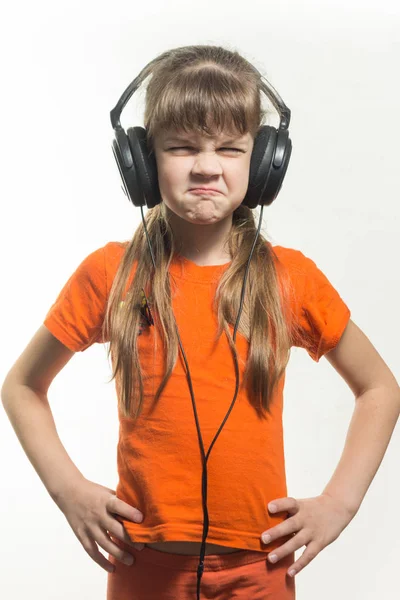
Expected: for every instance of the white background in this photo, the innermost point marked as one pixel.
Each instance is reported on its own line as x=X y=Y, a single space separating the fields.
x=64 y=65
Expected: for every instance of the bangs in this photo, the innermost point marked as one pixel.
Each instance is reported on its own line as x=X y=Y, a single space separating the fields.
x=207 y=101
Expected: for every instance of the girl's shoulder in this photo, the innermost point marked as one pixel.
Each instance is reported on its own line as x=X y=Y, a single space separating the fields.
x=115 y=249
x=293 y=259
x=113 y=252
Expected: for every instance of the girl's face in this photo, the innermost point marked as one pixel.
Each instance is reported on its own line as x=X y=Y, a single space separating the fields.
x=189 y=160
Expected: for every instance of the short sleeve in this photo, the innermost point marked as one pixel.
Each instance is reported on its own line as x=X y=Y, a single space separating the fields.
x=321 y=314
x=76 y=317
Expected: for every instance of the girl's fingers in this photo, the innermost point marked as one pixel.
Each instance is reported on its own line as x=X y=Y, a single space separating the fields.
x=117 y=529
x=119 y=507
x=284 y=529
x=106 y=542
x=308 y=555
x=293 y=544
x=90 y=546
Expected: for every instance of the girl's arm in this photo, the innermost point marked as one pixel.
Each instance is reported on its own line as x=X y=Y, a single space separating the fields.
x=377 y=409
x=31 y=417
x=24 y=397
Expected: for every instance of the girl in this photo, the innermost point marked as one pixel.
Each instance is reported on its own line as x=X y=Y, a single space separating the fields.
x=203 y=111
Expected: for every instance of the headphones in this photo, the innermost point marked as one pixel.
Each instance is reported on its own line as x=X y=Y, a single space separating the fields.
x=138 y=169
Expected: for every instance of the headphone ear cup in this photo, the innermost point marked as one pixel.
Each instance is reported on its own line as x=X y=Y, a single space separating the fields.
x=283 y=152
x=145 y=167
x=269 y=161
x=123 y=158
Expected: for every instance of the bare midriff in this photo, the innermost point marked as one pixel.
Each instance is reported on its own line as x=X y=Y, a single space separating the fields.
x=191 y=548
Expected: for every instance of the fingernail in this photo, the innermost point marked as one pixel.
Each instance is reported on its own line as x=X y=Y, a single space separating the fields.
x=266 y=538
x=129 y=560
x=272 y=507
x=139 y=518
x=273 y=557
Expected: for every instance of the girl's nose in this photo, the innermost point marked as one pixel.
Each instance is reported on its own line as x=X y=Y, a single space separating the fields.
x=207 y=164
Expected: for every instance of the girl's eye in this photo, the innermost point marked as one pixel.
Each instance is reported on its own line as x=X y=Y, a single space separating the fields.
x=190 y=148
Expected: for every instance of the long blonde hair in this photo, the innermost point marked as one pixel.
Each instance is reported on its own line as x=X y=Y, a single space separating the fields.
x=189 y=84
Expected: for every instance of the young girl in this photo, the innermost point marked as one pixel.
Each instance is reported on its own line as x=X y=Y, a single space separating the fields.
x=203 y=111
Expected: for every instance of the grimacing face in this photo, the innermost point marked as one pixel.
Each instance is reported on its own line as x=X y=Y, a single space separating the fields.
x=188 y=160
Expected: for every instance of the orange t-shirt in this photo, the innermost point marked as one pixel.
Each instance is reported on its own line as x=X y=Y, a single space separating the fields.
x=158 y=456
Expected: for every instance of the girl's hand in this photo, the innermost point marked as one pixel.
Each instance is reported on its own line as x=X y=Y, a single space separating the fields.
x=314 y=522
x=92 y=511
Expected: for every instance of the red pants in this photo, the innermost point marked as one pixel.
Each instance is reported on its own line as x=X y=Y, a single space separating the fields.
x=156 y=575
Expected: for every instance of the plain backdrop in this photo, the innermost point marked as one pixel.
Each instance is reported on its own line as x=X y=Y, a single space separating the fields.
x=64 y=65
